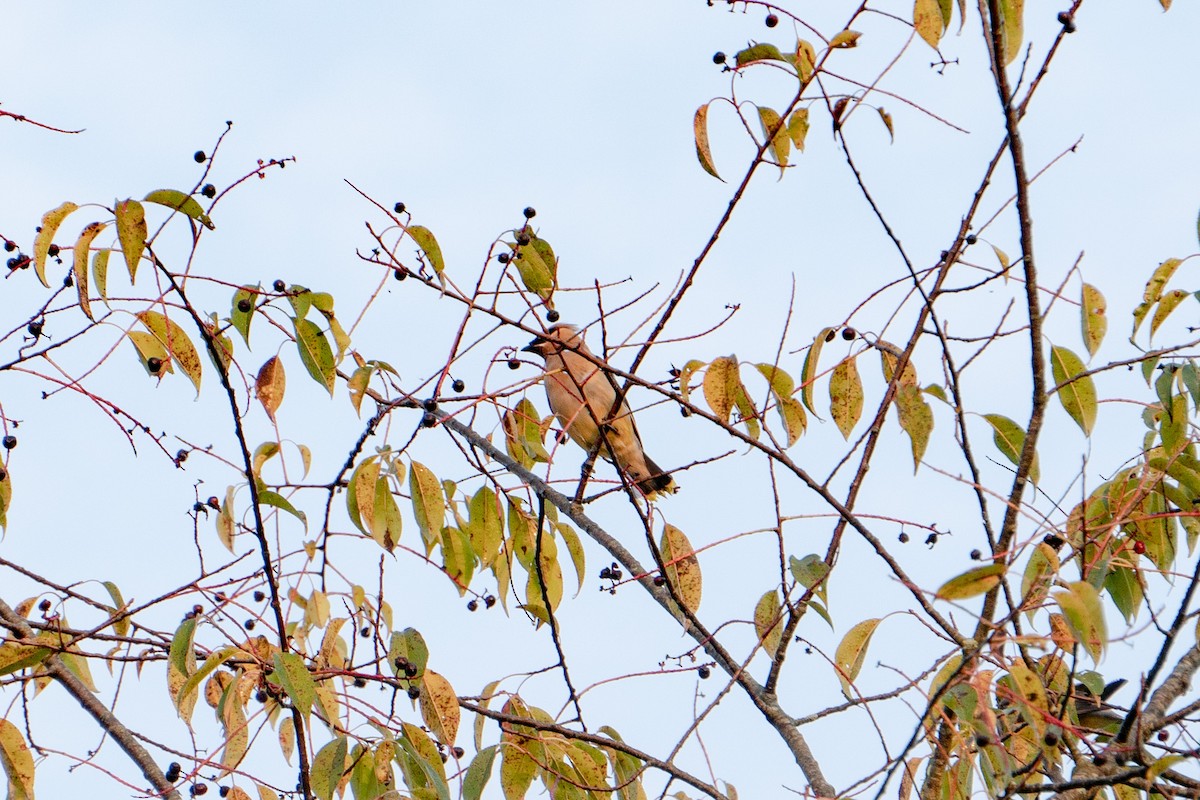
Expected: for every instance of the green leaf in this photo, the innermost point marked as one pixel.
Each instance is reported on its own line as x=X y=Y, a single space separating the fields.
x=269 y=498
x=192 y=684
x=328 y=765
x=131 y=232
x=177 y=343
x=181 y=663
x=51 y=220
x=1009 y=438
x=852 y=652
x=478 y=773
x=1078 y=397
x=1153 y=291
x=1169 y=302
x=810 y=572
x=805 y=61
x=1080 y=604
x=100 y=272
x=315 y=353
x=180 y=202
x=971 y=583
x=791 y=413
x=1040 y=571
x=428 y=244
x=1093 y=319
x=241 y=319
x=486 y=527
x=1011 y=13
x=79 y=265
x=292 y=674
x=703 y=150
x=928 y=22
x=759 y=52
x=410 y=646
x=5 y=497
x=916 y=418
x=846 y=396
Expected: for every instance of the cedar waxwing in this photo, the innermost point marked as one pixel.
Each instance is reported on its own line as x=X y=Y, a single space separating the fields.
x=569 y=378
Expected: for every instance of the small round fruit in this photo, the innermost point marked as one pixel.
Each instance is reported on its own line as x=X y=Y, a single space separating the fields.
x=504 y=258
x=429 y=404
x=458 y=385
x=523 y=238
x=248 y=624
x=829 y=337
x=213 y=502
x=659 y=580
x=13 y=262
x=982 y=740
x=976 y=555
x=259 y=596
x=44 y=606
x=552 y=316
x=209 y=191
x=472 y=605
x=704 y=672
x=398 y=208
x=1054 y=541
x=414 y=692
x=428 y=421
x=903 y=537
x=771 y=20
x=360 y=682
x=718 y=57
x=198 y=789
x=1139 y=546
x=10 y=442
x=1163 y=736
x=400 y=274
x=244 y=305
x=489 y=601
x=199 y=157
x=972 y=239
x=684 y=411
x=173 y=770
x=10 y=245
x=52 y=251
x=530 y=212
x=848 y=334
x=514 y=363
x=365 y=632
x=279 y=285
x=458 y=752
x=260 y=696
x=35 y=328
x=154 y=364
x=225 y=791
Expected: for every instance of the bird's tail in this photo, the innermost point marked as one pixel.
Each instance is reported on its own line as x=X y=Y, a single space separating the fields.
x=658 y=482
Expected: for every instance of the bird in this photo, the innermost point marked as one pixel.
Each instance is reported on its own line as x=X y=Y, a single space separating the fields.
x=573 y=373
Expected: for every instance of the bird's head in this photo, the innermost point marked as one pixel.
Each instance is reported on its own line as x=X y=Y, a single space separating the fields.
x=555 y=340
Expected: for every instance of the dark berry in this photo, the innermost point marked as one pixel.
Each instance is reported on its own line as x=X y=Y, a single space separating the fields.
x=1050 y=739
x=1163 y=736
x=259 y=596
x=198 y=789
x=360 y=682
x=279 y=285
x=552 y=316
x=472 y=605
x=35 y=328
x=401 y=663
x=659 y=580
x=365 y=632
x=428 y=421
x=617 y=574
x=1065 y=19
x=1139 y=546
x=605 y=574
x=400 y=274
x=52 y=251
x=248 y=624
x=260 y=696
x=523 y=238
x=771 y=20
x=429 y=405
x=173 y=770
x=13 y=262
x=503 y=258
x=848 y=334
x=982 y=740
x=410 y=670
x=829 y=337
x=10 y=442
x=458 y=386
x=67 y=281
x=684 y=411
x=529 y=212
x=154 y=364
x=197 y=609
x=458 y=752
x=976 y=555
x=44 y=606
x=213 y=502
x=514 y=363
x=10 y=245
x=181 y=456
x=704 y=672
x=414 y=692
x=718 y=57
x=903 y=537
x=398 y=208
x=1054 y=541
x=199 y=157
x=3 y=473
x=972 y=239
x=490 y=600
x=244 y=305
x=209 y=191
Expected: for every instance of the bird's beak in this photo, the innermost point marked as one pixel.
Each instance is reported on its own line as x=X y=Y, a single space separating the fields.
x=534 y=347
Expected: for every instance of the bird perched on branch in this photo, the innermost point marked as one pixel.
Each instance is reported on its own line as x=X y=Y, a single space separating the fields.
x=572 y=374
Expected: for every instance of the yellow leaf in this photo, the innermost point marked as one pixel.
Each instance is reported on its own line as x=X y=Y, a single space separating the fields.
x=927 y=19
x=720 y=386
x=45 y=237
x=682 y=566
x=846 y=396
x=1080 y=604
x=131 y=232
x=778 y=142
x=270 y=384
x=17 y=761
x=429 y=245
x=439 y=707
x=808 y=376
x=79 y=264
x=768 y=621
x=177 y=343
x=851 y=652
x=806 y=62
x=703 y=150
x=846 y=38
x=797 y=127
x=1094 y=323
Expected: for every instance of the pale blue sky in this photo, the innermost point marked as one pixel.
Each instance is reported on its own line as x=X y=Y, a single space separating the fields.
x=470 y=111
